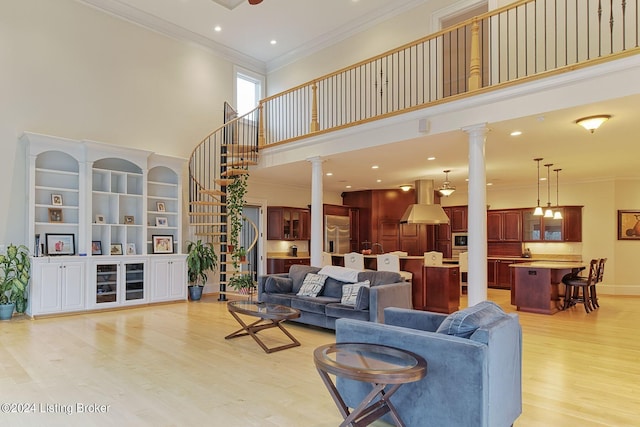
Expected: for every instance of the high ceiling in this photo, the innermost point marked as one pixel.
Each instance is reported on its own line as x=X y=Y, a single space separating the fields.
x=246 y=32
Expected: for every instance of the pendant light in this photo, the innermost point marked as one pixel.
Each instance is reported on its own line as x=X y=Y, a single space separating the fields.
x=447 y=189
x=538 y=210
x=548 y=213
x=558 y=213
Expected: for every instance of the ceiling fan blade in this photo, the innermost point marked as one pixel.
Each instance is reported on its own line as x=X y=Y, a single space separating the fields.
x=255 y=1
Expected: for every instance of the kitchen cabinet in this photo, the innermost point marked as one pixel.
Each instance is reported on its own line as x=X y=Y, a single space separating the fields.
x=541 y=229
x=504 y=226
x=458 y=218
x=499 y=275
x=169 y=278
x=61 y=286
x=282 y=265
x=287 y=223
x=440 y=289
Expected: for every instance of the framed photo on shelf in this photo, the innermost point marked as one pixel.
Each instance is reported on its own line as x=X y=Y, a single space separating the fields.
x=162 y=244
x=131 y=248
x=60 y=244
x=628 y=225
x=55 y=215
x=96 y=247
x=56 y=199
x=160 y=207
x=99 y=219
x=115 y=249
x=161 y=221
x=129 y=219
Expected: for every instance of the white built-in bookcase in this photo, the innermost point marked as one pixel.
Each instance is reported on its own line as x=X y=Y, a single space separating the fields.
x=85 y=195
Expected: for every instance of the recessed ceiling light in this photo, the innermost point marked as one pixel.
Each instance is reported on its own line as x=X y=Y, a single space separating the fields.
x=217 y=28
x=273 y=42
x=431 y=158
x=329 y=174
x=516 y=133
x=375 y=167
x=378 y=180
x=347 y=186
x=489 y=183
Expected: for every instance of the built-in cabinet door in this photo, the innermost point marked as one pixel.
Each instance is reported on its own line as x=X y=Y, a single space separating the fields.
x=72 y=286
x=169 y=279
x=45 y=288
x=118 y=283
x=56 y=286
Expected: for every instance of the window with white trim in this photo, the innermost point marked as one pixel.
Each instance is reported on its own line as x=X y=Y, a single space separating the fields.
x=248 y=90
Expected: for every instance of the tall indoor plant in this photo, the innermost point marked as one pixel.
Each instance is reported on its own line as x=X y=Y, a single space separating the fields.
x=201 y=258
x=14 y=278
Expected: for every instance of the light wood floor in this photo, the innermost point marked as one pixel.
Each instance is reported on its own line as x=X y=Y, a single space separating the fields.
x=170 y=365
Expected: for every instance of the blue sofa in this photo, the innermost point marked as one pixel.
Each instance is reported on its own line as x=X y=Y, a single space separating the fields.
x=474 y=365
x=387 y=289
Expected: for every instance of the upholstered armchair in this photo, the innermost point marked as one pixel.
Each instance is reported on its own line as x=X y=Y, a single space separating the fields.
x=474 y=359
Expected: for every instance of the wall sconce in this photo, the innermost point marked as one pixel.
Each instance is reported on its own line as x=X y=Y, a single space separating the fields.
x=405 y=188
x=592 y=123
x=538 y=209
x=447 y=189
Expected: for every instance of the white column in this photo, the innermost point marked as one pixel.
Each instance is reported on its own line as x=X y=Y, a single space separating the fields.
x=315 y=247
x=477 y=216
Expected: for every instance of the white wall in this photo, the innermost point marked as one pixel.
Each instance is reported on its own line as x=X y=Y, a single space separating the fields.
x=69 y=70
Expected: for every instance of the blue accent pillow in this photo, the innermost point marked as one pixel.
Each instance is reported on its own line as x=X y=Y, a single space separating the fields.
x=464 y=323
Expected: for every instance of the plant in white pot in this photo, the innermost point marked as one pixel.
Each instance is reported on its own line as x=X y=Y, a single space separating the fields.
x=201 y=258
x=14 y=278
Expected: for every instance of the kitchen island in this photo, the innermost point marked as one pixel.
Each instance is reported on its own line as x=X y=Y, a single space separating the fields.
x=536 y=284
x=432 y=288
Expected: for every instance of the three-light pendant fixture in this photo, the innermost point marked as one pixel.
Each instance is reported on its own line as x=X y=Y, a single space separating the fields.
x=548 y=212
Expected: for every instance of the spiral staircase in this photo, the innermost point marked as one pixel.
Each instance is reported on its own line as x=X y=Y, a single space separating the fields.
x=217 y=165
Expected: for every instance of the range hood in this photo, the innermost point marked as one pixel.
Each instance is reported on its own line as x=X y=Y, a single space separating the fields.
x=424 y=211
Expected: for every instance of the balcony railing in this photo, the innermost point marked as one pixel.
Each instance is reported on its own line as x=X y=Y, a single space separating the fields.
x=526 y=40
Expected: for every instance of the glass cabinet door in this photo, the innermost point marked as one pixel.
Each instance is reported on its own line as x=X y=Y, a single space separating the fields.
x=286 y=223
x=106 y=283
x=134 y=281
x=552 y=229
x=531 y=226
x=295 y=224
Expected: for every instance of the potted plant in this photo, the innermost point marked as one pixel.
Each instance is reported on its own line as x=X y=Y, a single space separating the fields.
x=243 y=283
x=201 y=258
x=14 y=278
x=236 y=192
x=240 y=254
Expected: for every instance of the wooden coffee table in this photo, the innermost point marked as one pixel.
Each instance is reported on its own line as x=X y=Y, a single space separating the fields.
x=269 y=316
x=376 y=364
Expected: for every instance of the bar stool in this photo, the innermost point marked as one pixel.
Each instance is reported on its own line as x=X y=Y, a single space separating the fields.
x=574 y=284
x=593 y=295
x=391 y=262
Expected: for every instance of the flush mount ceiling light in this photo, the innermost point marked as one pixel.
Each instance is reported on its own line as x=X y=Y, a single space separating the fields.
x=592 y=123
x=447 y=189
x=548 y=213
x=538 y=210
x=558 y=213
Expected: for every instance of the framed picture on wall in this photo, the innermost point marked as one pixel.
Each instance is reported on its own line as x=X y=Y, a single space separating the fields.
x=628 y=225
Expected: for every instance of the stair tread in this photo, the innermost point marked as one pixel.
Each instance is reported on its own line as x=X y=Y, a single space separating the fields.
x=234 y=172
x=213 y=192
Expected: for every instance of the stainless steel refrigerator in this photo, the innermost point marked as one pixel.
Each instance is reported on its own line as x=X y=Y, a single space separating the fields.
x=336 y=234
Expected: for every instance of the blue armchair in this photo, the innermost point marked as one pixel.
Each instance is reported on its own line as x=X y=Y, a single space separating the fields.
x=474 y=365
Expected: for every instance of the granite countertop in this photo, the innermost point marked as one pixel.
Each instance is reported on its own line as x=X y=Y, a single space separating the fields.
x=553 y=265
